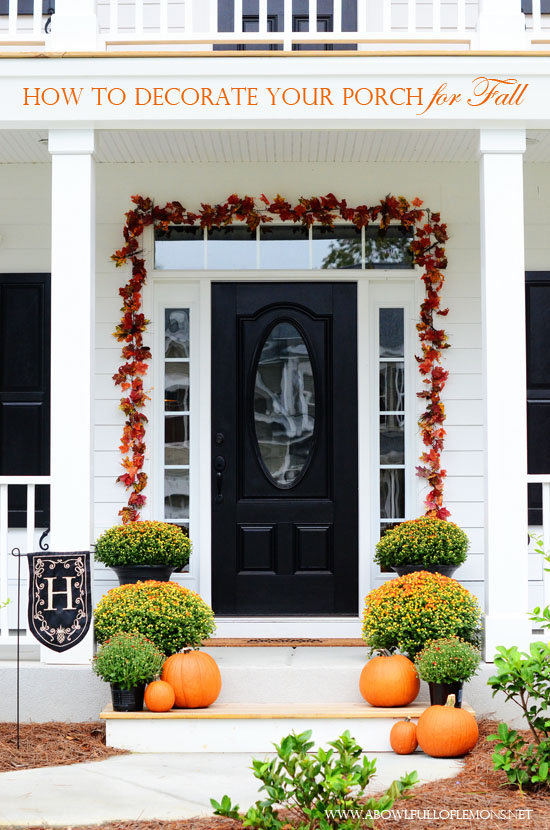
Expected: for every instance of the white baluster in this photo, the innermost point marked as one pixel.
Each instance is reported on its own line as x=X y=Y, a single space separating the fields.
x=537 y=20
x=4 y=553
x=337 y=16
x=37 y=18
x=12 y=17
x=436 y=16
x=386 y=15
x=238 y=16
x=139 y=17
x=188 y=19
x=113 y=18
x=312 y=16
x=163 y=17
x=287 y=45
x=213 y=17
x=362 y=16
x=262 y=28
x=30 y=517
x=461 y=16
x=411 y=17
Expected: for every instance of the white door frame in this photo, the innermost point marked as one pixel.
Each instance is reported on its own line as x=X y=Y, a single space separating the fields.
x=200 y=576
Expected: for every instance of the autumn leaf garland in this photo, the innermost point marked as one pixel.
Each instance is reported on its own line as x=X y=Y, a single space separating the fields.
x=428 y=253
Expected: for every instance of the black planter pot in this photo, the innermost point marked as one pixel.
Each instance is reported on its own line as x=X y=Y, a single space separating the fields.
x=445 y=570
x=127 y=700
x=130 y=574
x=439 y=692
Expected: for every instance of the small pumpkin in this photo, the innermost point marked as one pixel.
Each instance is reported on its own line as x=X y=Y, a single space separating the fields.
x=390 y=680
x=194 y=677
x=403 y=737
x=159 y=696
x=446 y=732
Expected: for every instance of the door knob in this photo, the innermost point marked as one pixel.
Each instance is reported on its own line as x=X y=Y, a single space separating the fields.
x=219 y=463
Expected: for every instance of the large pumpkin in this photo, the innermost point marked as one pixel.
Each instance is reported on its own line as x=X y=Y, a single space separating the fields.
x=446 y=732
x=159 y=696
x=194 y=677
x=403 y=737
x=389 y=681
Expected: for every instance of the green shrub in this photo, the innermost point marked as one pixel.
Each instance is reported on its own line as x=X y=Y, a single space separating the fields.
x=322 y=789
x=422 y=541
x=128 y=660
x=143 y=543
x=448 y=660
x=405 y=613
x=171 y=616
x=525 y=679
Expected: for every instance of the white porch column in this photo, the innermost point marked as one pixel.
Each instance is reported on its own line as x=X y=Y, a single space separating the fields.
x=501 y=25
x=74 y=27
x=504 y=366
x=73 y=319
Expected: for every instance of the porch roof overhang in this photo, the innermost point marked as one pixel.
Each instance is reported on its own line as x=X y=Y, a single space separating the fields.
x=237 y=146
x=414 y=92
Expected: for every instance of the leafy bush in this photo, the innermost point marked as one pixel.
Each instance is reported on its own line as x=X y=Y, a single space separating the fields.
x=128 y=660
x=321 y=790
x=143 y=543
x=404 y=614
x=422 y=541
x=448 y=660
x=171 y=616
x=525 y=679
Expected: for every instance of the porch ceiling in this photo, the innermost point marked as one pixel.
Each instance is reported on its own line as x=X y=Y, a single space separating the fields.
x=325 y=146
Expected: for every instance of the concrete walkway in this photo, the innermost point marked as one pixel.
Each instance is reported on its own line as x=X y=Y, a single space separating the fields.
x=150 y=786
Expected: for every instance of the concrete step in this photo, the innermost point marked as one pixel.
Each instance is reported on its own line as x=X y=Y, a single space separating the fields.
x=253 y=727
x=289 y=675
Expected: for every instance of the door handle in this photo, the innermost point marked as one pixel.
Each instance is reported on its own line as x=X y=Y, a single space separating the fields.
x=219 y=466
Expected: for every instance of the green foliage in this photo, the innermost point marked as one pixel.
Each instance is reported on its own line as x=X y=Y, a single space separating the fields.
x=524 y=678
x=448 y=660
x=406 y=613
x=171 y=616
x=321 y=789
x=128 y=660
x=143 y=543
x=541 y=616
x=423 y=541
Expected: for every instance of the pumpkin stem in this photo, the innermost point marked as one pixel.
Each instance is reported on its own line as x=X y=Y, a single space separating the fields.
x=451 y=700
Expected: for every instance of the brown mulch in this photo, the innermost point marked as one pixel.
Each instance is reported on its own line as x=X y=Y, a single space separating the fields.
x=52 y=744
x=477 y=788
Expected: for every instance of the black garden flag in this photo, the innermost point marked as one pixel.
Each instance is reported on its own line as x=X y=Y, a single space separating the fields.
x=60 y=602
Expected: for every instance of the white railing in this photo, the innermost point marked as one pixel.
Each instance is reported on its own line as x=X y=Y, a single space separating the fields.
x=195 y=23
x=23 y=30
x=27 y=540
x=543 y=596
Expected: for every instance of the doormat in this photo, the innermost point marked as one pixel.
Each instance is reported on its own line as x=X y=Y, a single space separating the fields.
x=288 y=642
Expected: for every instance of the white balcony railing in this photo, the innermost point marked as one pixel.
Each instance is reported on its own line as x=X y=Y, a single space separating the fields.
x=193 y=24
x=27 y=539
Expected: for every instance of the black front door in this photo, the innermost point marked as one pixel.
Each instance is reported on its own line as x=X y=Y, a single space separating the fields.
x=284 y=448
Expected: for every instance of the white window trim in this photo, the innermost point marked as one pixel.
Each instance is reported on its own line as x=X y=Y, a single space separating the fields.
x=402 y=294
x=375 y=287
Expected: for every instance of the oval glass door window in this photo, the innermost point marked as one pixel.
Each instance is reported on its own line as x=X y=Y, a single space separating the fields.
x=284 y=405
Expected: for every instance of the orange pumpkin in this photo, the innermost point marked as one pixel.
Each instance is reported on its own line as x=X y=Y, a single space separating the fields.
x=389 y=681
x=446 y=732
x=194 y=677
x=403 y=737
x=159 y=696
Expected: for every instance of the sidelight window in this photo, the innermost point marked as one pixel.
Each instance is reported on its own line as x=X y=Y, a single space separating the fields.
x=177 y=415
x=391 y=373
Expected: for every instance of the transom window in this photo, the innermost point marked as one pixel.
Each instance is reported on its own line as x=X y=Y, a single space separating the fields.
x=282 y=247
